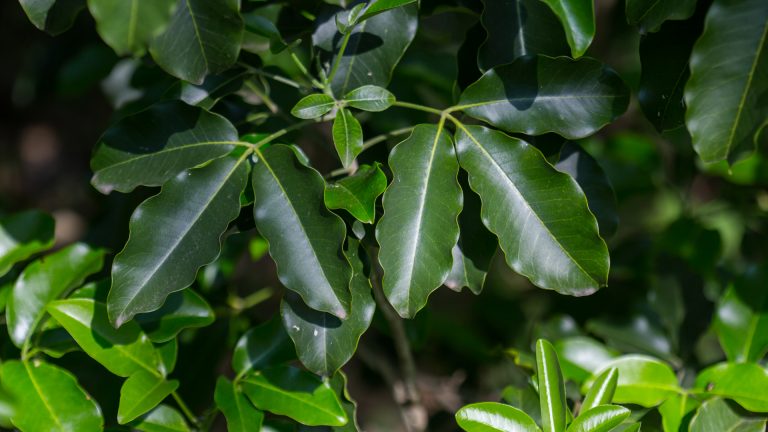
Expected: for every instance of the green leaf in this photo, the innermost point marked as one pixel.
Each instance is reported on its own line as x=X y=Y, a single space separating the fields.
x=161 y=419
x=52 y=16
x=578 y=19
x=323 y=342
x=581 y=356
x=370 y=98
x=675 y=412
x=194 y=209
x=601 y=418
x=129 y=25
x=49 y=399
x=23 y=235
x=551 y=388
x=516 y=28
x=650 y=14
x=313 y=106
x=140 y=393
x=745 y=383
x=539 y=214
x=602 y=390
x=494 y=417
x=305 y=239
x=155 y=145
x=46 y=280
x=378 y=6
x=240 y=413
x=420 y=223
x=525 y=399
x=203 y=37
x=55 y=342
x=215 y=87
x=725 y=98
x=741 y=321
x=347 y=136
x=636 y=332
x=715 y=415
x=263 y=346
x=539 y=94
x=296 y=394
x=169 y=352
x=338 y=383
x=373 y=49
x=642 y=380
x=464 y=273
x=123 y=351
x=185 y=309
x=357 y=193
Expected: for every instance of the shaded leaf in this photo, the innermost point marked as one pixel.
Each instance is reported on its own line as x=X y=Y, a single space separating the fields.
x=181 y=310
x=369 y=98
x=675 y=412
x=741 y=321
x=525 y=399
x=142 y=392
x=642 y=380
x=464 y=273
x=650 y=14
x=129 y=25
x=715 y=415
x=601 y=418
x=578 y=19
x=347 y=136
x=551 y=388
x=23 y=235
x=161 y=419
x=215 y=87
x=263 y=346
x=52 y=16
x=241 y=415
x=313 y=106
x=745 y=383
x=357 y=193
x=378 y=6
x=492 y=416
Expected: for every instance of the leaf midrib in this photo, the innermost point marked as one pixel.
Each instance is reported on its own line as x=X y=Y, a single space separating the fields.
x=290 y=395
x=169 y=150
x=42 y=395
x=198 y=38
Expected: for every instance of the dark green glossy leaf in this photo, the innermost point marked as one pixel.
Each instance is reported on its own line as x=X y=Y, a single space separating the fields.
x=650 y=14
x=323 y=342
x=378 y=6
x=305 y=239
x=581 y=356
x=155 y=145
x=602 y=390
x=539 y=94
x=140 y=393
x=195 y=209
x=464 y=273
x=161 y=419
x=578 y=19
x=516 y=28
x=725 y=98
x=49 y=399
x=313 y=106
x=745 y=383
x=551 y=388
x=129 y=25
x=601 y=418
x=215 y=87
x=373 y=49
x=23 y=235
x=541 y=216
x=46 y=280
x=123 y=351
x=241 y=415
x=203 y=37
x=357 y=193
x=742 y=317
x=642 y=380
x=347 y=136
x=494 y=417
x=185 y=309
x=675 y=412
x=419 y=227
x=52 y=16
x=338 y=383
x=715 y=415
x=263 y=346
x=369 y=98
x=296 y=394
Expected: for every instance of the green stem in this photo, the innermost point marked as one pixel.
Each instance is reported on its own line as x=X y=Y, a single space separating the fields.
x=281 y=132
x=185 y=409
x=278 y=78
x=339 y=56
x=383 y=137
x=304 y=70
x=418 y=107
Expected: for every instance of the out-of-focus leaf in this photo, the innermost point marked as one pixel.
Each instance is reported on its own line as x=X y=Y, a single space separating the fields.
x=207 y=94
x=551 y=388
x=642 y=380
x=52 y=16
x=715 y=415
x=357 y=193
x=263 y=346
x=637 y=332
x=181 y=310
x=525 y=399
x=129 y=25
x=745 y=383
x=675 y=412
x=23 y=235
x=140 y=393
x=494 y=417
x=581 y=357
x=241 y=415
x=742 y=317
x=650 y=14
x=347 y=136
x=578 y=19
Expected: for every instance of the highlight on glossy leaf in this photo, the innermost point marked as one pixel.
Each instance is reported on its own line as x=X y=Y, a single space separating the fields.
x=313 y=106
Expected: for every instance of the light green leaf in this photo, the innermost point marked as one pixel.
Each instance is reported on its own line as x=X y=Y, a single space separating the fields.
x=742 y=317
x=23 y=235
x=123 y=351
x=169 y=352
x=194 y=209
x=161 y=419
x=46 y=280
x=715 y=415
x=745 y=383
x=551 y=388
x=420 y=223
x=378 y=6
x=539 y=214
x=357 y=193
x=202 y=38
x=313 y=106
x=52 y=16
x=347 y=136
x=241 y=415
x=674 y=412
x=153 y=146
x=494 y=417
x=323 y=342
x=602 y=390
x=305 y=239
x=539 y=94
x=581 y=356
x=263 y=346
x=181 y=310
x=725 y=98
x=296 y=394
x=601 y=418
x=642 y=380
x=370 y=98
x=650 y=14
x=140 y=393
x=49 y=399
x=578 y=19
x=129 y=25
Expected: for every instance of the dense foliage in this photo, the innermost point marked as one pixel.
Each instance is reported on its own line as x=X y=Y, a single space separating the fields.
x=518 y=152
